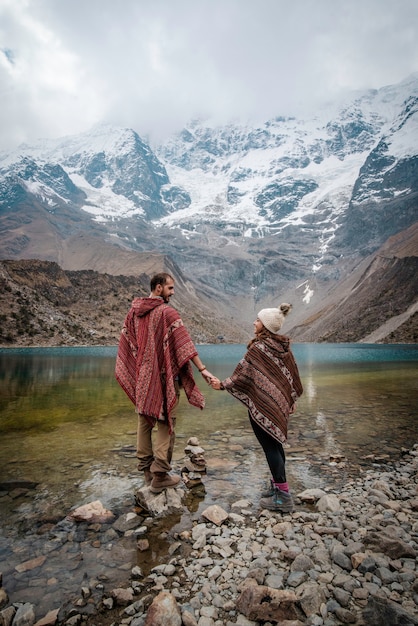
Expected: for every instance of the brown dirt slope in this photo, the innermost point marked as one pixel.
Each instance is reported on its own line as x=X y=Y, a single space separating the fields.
x=43 y=305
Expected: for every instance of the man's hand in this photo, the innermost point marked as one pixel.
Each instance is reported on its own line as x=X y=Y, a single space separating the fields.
x=207 y=376
x=215 y=383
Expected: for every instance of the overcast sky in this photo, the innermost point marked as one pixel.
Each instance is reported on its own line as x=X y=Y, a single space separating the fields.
x=153 y=65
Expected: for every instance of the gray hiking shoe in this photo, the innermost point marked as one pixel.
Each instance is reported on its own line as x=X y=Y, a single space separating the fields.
x=279 y=501
x=268 y=491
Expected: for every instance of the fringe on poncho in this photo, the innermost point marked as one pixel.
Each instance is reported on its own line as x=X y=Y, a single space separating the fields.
x=267 y=382
x=154 y=349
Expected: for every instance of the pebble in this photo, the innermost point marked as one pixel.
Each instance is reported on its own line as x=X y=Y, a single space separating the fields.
x=349 y=557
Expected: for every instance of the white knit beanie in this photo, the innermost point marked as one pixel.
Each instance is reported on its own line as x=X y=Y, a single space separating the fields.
x=272 y=319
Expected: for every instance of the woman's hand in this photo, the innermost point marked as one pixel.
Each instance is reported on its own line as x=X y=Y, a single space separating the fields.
x=215 y=383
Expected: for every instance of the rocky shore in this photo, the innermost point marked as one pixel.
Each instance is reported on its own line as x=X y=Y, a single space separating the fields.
x=343 y=557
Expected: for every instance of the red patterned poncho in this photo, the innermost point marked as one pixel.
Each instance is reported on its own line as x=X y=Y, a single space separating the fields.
x=154 y=349
x=267 y=381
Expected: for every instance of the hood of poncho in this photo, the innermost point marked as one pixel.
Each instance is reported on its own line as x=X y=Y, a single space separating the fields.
x=142 y=306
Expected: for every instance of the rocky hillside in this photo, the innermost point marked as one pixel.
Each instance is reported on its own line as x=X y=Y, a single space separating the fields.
x=43 y=305
x=378 y=302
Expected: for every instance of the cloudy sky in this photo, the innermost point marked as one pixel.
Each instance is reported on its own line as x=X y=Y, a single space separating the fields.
x=154 y=64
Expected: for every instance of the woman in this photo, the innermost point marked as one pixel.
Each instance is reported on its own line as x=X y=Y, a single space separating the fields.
x=267 y=381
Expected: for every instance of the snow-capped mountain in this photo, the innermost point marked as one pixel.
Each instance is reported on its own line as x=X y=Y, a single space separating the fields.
x=296 y=172
x=113 y=169
x=253 y=212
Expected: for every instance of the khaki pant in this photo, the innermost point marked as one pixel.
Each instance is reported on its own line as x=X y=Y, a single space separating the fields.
x=156 y=455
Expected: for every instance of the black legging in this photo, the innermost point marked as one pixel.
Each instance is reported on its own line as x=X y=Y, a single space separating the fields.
x=274 y=452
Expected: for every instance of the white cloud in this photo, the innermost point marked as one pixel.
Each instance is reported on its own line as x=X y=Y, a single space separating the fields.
x=153 y=65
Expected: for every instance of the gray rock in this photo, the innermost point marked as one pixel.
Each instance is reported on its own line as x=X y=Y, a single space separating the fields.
x=342 y=560
x=386 y=575
x=25 y=615
x=382 y=611
x=343 y=597
x=328 y=502
x=312 y=599
x=127 y=521
x=302 y=563
x=275 y=581
x=367 y=565
x=296 y=578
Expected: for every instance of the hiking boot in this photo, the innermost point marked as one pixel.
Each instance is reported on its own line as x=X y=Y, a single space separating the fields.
x=268 y=491
x=148 y=476
x=279 y=501
x=162 y=480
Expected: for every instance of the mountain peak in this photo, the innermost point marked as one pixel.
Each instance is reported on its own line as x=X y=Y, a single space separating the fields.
x=252 y=211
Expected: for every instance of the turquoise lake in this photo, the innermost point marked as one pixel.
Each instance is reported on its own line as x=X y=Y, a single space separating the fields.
x=66 y=424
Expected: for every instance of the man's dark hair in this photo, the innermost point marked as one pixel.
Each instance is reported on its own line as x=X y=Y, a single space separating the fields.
x=159 y=279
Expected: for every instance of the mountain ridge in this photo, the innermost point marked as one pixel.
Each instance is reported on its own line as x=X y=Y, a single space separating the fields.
x=252 y=216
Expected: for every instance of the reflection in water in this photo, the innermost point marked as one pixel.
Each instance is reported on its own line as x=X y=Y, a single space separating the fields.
x=66 y=424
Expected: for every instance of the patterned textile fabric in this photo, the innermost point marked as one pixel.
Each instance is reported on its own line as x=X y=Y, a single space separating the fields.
x=155 y=349
x=267 y=382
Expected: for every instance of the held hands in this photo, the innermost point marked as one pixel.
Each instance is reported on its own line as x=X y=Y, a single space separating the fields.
x=215 y=383
x=211 y=380
x=207 y=375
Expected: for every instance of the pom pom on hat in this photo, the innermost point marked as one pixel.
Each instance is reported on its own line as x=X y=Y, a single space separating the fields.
x=273 y=319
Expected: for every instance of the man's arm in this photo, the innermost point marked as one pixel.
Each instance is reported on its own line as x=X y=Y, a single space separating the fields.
x=196 y=360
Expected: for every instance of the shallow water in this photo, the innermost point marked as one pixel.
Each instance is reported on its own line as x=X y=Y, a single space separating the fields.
x=67 y=426
x=65 y=422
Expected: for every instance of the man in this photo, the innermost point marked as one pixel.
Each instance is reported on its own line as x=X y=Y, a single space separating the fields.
x=153 y=362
